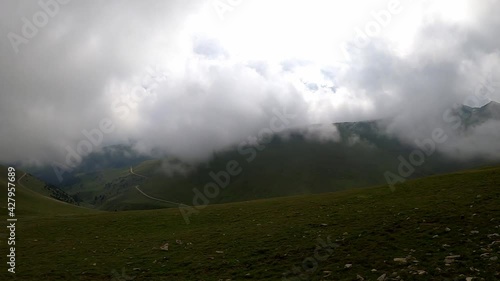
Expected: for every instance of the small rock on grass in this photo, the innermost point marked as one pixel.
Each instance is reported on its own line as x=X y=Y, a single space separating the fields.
x=450 y=259
x=164 y=247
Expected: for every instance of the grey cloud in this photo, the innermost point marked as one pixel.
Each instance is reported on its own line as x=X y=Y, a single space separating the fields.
x=447 y=65
x=93 y=54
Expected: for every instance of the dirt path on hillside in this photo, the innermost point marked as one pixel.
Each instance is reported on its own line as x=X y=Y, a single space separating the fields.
x=149 y=196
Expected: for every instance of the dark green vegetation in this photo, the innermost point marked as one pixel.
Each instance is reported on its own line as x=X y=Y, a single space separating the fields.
x=108 y=159
x=284 y=167
x=423 y=221
x=288 y=165
x=37 y=198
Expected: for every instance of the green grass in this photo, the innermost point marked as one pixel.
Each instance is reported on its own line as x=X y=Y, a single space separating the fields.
x=93 y=184
x=285 y=167
x=260 y=240
x=33 y=200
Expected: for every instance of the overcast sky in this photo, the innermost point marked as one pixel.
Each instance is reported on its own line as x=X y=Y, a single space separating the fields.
x=191 y=77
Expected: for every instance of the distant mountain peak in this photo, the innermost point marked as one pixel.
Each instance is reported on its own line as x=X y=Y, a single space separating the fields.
x=492 y=104
x=472 y=116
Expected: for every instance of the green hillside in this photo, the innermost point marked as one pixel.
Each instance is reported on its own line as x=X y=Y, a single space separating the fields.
x=439 y=228
x=33 y=198
x=284 y=167
x=288 y=164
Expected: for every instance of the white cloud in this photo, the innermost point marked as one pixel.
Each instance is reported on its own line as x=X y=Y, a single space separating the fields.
x=225 y=77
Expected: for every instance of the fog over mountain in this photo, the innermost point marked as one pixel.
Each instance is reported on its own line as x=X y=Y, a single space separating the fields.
x=187 y=78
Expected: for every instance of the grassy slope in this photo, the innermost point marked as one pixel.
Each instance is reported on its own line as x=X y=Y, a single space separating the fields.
x=285 y=167
x=94 y=184
x=32 y=199
x=262 y=239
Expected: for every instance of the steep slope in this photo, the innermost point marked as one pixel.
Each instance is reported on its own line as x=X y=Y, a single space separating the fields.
x=477 y=116
x=32 y=197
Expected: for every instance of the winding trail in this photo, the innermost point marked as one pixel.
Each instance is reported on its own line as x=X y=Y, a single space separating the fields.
x=19 y=180
x=132 y=172
x=151 y=197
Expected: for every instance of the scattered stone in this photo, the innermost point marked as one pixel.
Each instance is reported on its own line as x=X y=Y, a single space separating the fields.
x=178 y=242
x=447 y=229
x=219 y=252
x=495 y=258
x=327 y=273
x=374 y=270
x=474 y=269
x=485 y=255
x=469 y=278
x=421 y=272
x=474 y=232
x=382 y=277
x=360 y=278
x=435 y=236
x=164 y=247
x=450 y=259
x=324 y=224
x=493 y=235
x=348 y=265
x=400 y=260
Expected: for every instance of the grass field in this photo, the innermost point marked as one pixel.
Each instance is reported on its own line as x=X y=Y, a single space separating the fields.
x=33 y=200
x=363 y=231
x=288 y=165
